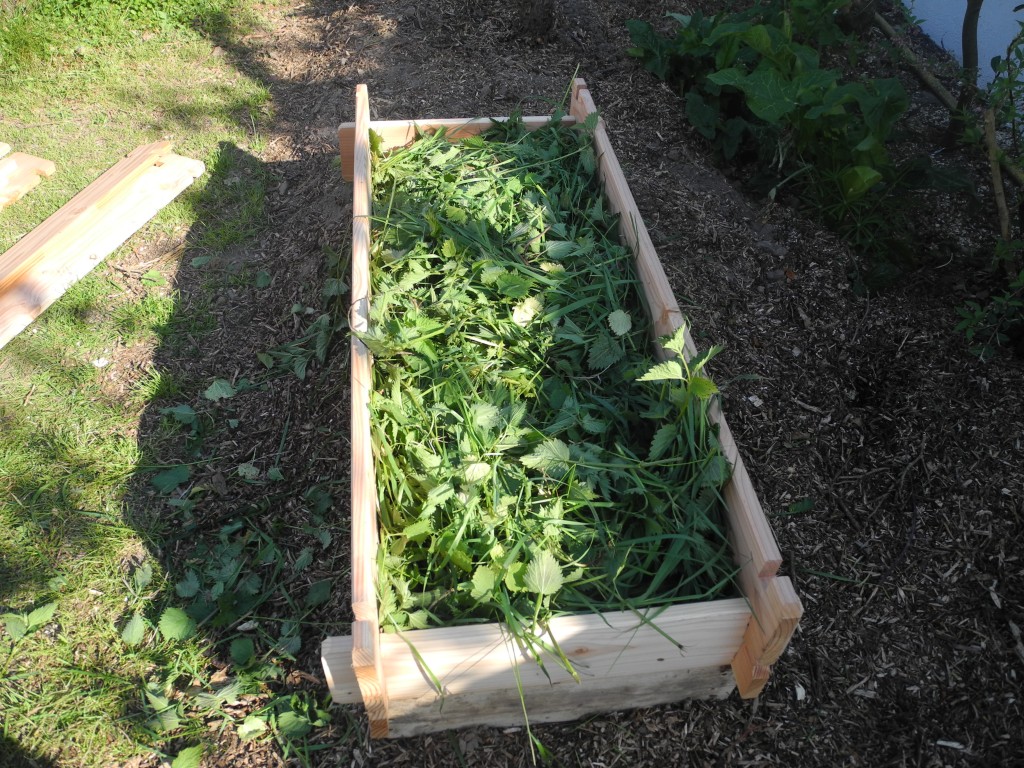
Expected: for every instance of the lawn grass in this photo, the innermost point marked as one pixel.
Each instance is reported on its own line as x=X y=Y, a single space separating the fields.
x=99 y=663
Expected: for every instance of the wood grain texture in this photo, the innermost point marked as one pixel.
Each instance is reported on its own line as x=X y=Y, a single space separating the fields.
x=366 y=660
x=398 y=133
x=81 y=242
x=63 y=228
x=4 y=148
x=19 y=173
x=683 y=652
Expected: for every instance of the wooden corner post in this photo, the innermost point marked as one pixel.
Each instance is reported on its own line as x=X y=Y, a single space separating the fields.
x=366 y=656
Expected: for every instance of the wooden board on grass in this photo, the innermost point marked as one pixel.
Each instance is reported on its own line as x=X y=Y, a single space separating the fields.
x=19 y=173
x=40 y=267
x=427 y=680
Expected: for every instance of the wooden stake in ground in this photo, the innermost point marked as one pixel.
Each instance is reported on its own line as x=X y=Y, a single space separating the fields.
x=41 y=266
x=19 y=173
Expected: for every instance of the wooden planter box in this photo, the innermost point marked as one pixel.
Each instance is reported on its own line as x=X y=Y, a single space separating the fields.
x=622 y=662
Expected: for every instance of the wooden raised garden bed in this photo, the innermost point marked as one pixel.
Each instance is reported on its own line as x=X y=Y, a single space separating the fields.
x=696 y=650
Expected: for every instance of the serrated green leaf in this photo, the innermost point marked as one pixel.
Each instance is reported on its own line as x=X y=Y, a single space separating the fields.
x=134 y=630
x=477 y=471
x=419 y=619
x=220 y=389
x=552 y=456
x=663 y=439
x=242 y=650
x=175 y=624
x=526 y=311
x=275 y=474
x=702 y=387
x=293 y=725
x=189 y=586
x=670 y=370
x=419 y=530
x=677 y=342
x=594 y=425
x=262 y=279
x=16 y=625
x=183 y=413
x=142 y=576
x=483 y=584
x=543 y=574
x=41 y=615
x=604 y=351
x=304 y=560
x=514 y=577
x=153 y=278
x=169 y=479
x=252 y=727
x=248 y=471
x=190 y=757
x=620 y=322
x=318 y=593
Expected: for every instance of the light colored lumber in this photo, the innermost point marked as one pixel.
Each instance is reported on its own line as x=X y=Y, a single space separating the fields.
x=19 y=173
x=82 y=242
x=749 y=674
x=366 y=661
x=4 y=148
x=336 y=659
x=63 y=229
x=398 y=133
x=684 y=652
x=665 y=314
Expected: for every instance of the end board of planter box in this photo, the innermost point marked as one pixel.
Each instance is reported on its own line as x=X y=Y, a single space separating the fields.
x=433 y=679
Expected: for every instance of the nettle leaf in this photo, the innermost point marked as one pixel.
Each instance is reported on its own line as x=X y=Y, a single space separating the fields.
x=248 y=471
x=252 y=727
x=677 y=341
x=525 y=312
x=220 y=389
x=190 y=757
x=189 y=586
x=419 y=619
x=184 y=413
x=275 y=474
x=513 y=286
x=663 y=439
x=551 y=456
x=41 y=615
x=242 y=650
x=702 y=387
x=594 y=425
x=477 y=471
x=169 y=479
x=134 y=631
x=318 y=593
x=543 y=574
x=16 y=626
x=604 y=351
x=175 y=624
x=670 y=370
x=620 y=322
x=304 y=560
x=293 y=725
x=483 y=584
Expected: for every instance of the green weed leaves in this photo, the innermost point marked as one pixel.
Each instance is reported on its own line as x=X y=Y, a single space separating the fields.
x=532 y=456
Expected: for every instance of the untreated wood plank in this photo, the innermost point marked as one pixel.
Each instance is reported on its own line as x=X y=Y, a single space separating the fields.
x=63 y=228
x=19 y=173
x=4 y=148
x=621 y=662
x=366 y=660
x=398 y=133
x=85 y=241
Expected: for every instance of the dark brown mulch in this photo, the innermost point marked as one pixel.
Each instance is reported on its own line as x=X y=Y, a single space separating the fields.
x=908 y=450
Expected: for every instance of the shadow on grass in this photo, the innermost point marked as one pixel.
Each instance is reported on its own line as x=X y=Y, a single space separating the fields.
x=13 y=756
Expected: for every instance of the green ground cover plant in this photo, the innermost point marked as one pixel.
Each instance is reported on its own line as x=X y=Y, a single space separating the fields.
x=756 y=86
x=110 y=647
x=533 y=458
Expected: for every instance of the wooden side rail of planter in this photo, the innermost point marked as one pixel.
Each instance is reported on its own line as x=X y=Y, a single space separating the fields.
x=427 y=680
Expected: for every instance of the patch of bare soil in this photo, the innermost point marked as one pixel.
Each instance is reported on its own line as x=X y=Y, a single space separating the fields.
x=909 y=450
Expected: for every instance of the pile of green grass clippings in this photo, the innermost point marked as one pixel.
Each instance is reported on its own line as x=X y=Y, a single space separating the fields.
x=532 y=457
